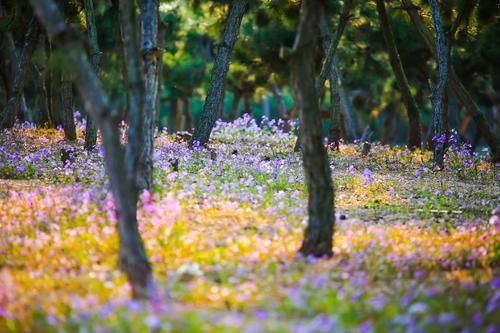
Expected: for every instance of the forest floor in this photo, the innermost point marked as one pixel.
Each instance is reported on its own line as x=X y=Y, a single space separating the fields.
x=414 y=250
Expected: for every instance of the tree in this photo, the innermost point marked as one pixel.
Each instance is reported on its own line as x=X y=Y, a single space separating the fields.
x=492 y=138
x=212 y=109
x=438 y=91
x=10 y=110
x=414 y=138
x=95 y=59
x=132 y=256
x=151 y=56
x=319 y=231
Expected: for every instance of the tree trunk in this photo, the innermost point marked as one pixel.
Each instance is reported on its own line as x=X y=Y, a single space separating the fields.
x=188 y=118
x=332 y=48
x=95 y=60
x=233 y=113
x=350 y=120
x=132 y=257
x=246 y=105
x=11 y=108
x=212 y=109
x=438 y=92
x=132 y=67
x=319 y=231
x=66 y=93
x=280 y=103
x=462 y=94
x=414 y=136
x=151 y=56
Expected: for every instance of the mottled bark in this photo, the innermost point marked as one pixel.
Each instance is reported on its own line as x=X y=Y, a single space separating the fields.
x=95 y=60
x=492 y=138
x=438 y=91
x=151 y=56
x=66 y=94
x=319 y=231
x=212 y=109
x=19 y=75
x=414 y=135
x=132 y=257
x=132 y=68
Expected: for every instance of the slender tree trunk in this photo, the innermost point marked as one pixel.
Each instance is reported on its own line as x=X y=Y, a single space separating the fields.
x=233 y=113
x=95 y=60
x=134 y=150
x=11 y=108
x=246 y=105
x=414 y=136
x=49 y=87
x=132 y=256
x=319 y=231
x=188 y=118
x=66 y=93
x=212 y=109
x=151 y=55
x=438 y=92
x=492 y=138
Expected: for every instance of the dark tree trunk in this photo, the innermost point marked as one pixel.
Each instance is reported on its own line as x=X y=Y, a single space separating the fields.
x=438 y=91
x=414 y=136
x=49 y=87
x=66 y=94
x=233 y=112
x=95 y=60
x=151 y=56
x=188 y=118
x=319 y=231
x=132 y=257
x=11 y=109
x=350 y=120
x=212 y=109
x=330 y=44
x=132 y=67
x=492 y=138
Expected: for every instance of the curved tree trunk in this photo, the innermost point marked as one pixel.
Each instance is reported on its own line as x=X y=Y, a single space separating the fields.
x=438 y=92
x=414 y=135
x=132 y=256
x=95 y=59
x=151 y=55
x=212 y=109
x=319 y=231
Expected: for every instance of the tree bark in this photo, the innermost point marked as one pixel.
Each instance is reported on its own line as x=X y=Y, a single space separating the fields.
x=132 y=68
x=350 y=120
x=151 y=56
x=174 y=118
x=414 y=135
x=66 y=94
x=280 y=103
x=95 y=60
x=11 y=108
x=319 y=231
x=462 y=94
x=132 y=257
x=438 y=92
x=212 y=109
